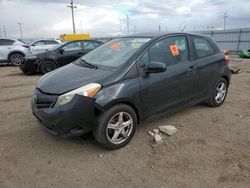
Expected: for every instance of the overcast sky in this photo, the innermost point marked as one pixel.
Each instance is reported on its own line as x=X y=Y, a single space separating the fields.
x=50 y=18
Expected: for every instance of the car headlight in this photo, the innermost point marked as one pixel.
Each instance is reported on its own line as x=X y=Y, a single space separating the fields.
x=89 y=91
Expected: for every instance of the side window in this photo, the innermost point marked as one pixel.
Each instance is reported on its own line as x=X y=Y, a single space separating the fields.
x=6 y=42
x=73 y=46
x=171 y=50
x=50 y=42
x=89 y=45
x=39 y=43
x=202 y=47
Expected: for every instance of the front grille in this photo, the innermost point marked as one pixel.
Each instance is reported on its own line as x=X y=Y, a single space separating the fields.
x=42 y=100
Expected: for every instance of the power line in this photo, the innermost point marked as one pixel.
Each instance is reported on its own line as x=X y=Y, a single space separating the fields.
x=21 y=31
x=72 y=12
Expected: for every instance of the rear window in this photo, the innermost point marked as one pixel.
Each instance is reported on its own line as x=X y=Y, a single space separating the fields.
x=202 y=47
x=6 y=42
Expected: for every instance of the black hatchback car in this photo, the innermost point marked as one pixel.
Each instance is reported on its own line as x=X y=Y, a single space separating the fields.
x=60 y=55
x=126 y=80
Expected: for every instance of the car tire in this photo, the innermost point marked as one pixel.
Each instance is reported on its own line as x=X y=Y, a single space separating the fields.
x=16 y=58
x=219 y=93
x=47 y=66
x=116 y=126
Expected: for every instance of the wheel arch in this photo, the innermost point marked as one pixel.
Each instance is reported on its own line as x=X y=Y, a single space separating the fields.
x=123 y=101
x=15 y=52
x=226 y=78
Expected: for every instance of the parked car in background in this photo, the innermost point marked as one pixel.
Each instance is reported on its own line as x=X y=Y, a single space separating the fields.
x=59 y=56
x=43 y=45
x=13 y=51
x=126 y=80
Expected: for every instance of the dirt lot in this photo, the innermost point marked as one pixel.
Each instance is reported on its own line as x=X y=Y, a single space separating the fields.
x=210 y=149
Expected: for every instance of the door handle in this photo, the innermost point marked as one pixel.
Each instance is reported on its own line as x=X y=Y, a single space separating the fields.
x=191 y=68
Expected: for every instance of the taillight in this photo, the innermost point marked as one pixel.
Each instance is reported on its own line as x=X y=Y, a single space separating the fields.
x=227 y=60
x=26 y=46
x=226 y=53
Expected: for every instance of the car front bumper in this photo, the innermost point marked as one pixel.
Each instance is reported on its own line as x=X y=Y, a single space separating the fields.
x=29 y=66
x=72 y=119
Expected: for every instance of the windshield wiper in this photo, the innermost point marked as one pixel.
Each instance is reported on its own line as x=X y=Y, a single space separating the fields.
x=89 y=65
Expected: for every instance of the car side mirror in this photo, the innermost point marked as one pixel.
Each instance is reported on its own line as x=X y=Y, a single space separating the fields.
x=155 y=67
x=61 y=51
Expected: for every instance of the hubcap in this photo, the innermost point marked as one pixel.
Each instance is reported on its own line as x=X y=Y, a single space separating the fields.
x=49 y=67
x=17 y=59
x=220 y=92
x=119 y=128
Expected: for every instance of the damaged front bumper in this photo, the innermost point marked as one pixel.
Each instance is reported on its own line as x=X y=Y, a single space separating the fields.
x=29 y=66
x=72 y=119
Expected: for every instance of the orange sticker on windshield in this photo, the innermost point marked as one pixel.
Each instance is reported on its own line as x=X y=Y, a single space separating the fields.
x=115 y=45
x=174 y=50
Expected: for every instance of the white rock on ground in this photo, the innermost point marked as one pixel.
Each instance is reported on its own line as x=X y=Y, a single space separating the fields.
x=168 y=129
x=156 y=131
x=151 y=133
x=158 y=139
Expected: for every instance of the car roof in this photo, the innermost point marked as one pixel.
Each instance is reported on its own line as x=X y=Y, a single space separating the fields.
x=160 y=34
x=9 y=39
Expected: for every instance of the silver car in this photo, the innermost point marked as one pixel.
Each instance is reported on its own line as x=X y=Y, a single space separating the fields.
x=13 y=51
x=43 y=45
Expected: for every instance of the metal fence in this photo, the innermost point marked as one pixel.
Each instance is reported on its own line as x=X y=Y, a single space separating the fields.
x=231 y=39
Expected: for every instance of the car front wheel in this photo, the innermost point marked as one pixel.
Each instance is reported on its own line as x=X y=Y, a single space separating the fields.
x=16 y=58
x=219 y=93
x=116 y=126
x=47 y=66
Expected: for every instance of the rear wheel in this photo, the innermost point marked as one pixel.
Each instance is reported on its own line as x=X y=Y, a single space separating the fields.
x=219 y=93
x=47 y=66
x=16 y=58
x=116 y=126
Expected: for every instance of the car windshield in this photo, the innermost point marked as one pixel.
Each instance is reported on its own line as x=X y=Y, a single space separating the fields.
x=114 y=53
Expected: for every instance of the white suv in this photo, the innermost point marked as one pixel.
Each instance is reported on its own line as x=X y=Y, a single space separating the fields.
x=13 y=51
x=43 y=45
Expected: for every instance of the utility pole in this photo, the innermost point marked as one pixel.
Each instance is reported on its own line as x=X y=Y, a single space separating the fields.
x=159 y=28
x=134 y=29
x=225 y=20
x=21 y=31
x=4 y=31
x=72 y=12
x=81 y=26
x=127 y=23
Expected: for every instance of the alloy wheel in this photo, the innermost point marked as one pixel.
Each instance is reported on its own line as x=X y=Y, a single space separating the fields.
x=119 y=128
x=221 y=91
x=17 y=59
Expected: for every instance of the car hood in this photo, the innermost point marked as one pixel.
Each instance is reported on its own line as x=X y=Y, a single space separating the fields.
x=70 y=77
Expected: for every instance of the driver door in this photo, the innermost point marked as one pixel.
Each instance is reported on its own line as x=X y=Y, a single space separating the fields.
x=70 y=52
x=167 y=90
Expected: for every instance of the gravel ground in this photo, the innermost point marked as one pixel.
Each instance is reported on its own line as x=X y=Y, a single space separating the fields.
x=210 y=149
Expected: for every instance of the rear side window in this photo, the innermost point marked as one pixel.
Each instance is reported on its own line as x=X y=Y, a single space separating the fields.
x=202 y=47
x=6 y=42
x=171 y=50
